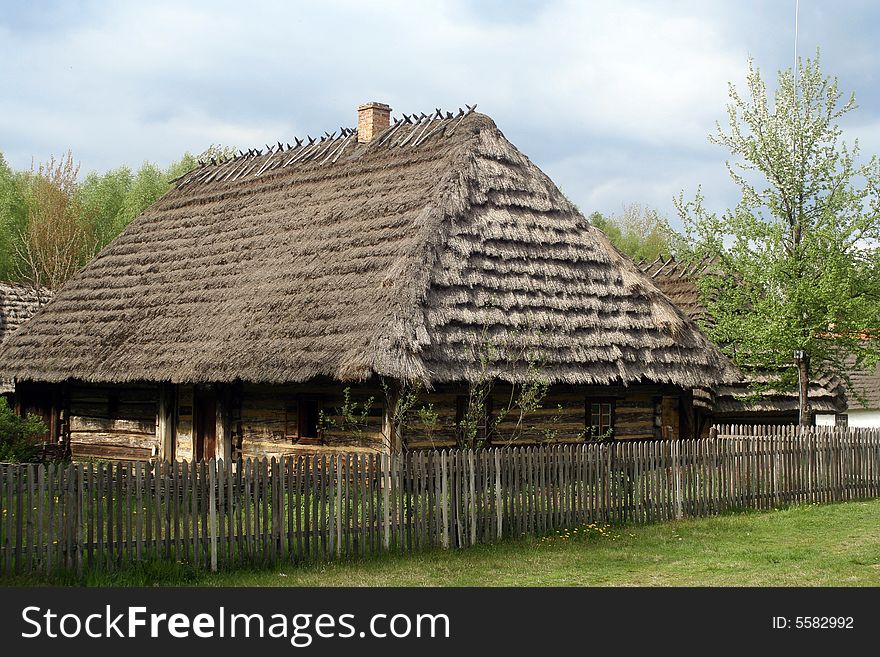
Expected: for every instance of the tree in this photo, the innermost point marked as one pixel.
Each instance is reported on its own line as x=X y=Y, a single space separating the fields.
x=641 y=233
x=13 y=219
x=57 y=239
x=796 y=274
x=102 y=198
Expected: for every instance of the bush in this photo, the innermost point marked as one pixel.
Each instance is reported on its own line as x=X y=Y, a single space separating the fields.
x=19 y=437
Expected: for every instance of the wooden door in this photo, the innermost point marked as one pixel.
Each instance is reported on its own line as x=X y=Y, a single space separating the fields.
x=204 y=424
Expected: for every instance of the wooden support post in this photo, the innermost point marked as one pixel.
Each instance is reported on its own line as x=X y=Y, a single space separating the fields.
x=165 y=422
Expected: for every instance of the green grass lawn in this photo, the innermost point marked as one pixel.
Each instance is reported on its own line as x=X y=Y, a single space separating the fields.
x=828 y=545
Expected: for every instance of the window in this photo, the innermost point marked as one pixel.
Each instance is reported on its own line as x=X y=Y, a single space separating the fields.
x=599 y=417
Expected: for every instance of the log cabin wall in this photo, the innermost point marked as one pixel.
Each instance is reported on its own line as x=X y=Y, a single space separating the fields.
x=125 y=421
x=183 y=448
x=113 y=422
x=640 y=412
x=282 y=419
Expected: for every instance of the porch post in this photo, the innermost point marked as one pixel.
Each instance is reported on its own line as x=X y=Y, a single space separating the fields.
x=391 y=432
x=165 y=422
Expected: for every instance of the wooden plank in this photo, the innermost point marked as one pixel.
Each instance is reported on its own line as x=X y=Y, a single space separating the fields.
x=373 y=492
x=229 y=502
x=472 y=490
x=222 y=548
x=189 y=514
x=212 y=520
x=178 y=485
x=18 y=505
x=79 y=492
x=338 y=501
x=252 y=506
x=109 y=527
x=386 y=500
x=499 y=495
x=244 y=516
x=316 y=492
x=362 y=502
x=30 y=475
x=444 y=496
x=167 y=492
x=43 y=540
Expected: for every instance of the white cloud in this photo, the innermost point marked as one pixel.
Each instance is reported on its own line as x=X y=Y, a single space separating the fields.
x=614 y=99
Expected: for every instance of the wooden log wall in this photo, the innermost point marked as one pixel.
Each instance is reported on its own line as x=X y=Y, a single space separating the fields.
x=184 y=444
x=269 y=418
x=315 y=508
x=256 y=421
x=113 y=422
x=640 y=414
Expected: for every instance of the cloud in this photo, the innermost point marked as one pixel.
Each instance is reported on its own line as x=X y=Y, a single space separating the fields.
x=612 y=99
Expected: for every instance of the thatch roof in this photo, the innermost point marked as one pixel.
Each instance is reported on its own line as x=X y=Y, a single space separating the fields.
x=677 y=280
x=827 y=394
x=18 y=303
x=402 y=257
x=866 y=386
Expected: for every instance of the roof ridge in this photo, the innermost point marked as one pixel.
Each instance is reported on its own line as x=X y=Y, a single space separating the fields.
x=412 y=129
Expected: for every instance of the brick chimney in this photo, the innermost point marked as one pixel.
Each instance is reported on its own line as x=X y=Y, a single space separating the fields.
x=373 y=118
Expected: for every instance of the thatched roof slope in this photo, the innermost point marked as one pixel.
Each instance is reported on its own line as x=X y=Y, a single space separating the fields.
x=827 y=395
x=678 y=279
x=18 y=303
x=866 y=386
x=404 y=257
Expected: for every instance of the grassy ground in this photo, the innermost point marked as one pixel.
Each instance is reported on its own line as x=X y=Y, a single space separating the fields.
x=829 y=545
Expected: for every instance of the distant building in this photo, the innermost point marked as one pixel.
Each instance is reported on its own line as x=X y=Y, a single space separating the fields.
x=18 y=303
x=864 y=401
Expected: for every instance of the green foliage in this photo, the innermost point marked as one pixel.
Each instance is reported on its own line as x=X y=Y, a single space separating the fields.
x=409 y=414
x=353 y=416
x=13 y=218
x=19 y=437
x=641 y=233
x=102 y=198
x=797 y=267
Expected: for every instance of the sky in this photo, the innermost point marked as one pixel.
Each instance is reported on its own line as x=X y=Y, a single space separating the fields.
x=614 y=100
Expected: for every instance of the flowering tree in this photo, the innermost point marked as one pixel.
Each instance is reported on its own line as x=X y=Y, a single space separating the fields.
x=797 y=275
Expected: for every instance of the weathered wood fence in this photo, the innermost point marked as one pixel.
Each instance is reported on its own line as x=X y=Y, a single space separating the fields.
x=215 y=514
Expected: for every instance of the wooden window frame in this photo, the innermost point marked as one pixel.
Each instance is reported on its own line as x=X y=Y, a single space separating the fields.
x=588 y=415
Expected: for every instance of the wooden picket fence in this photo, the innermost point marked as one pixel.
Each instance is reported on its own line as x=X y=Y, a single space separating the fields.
x=308 y=508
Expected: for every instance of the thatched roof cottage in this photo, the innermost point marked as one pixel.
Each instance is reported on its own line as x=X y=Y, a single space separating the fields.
x=749 y=400
x=231 y=316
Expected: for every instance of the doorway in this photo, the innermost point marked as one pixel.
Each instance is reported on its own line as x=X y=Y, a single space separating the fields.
x=204 y=424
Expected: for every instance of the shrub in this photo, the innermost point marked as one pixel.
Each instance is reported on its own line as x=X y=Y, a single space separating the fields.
x=19 y=437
